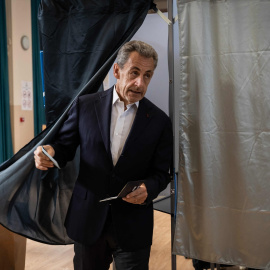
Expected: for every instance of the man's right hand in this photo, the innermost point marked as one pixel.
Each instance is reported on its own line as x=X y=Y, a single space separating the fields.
x=42 y=162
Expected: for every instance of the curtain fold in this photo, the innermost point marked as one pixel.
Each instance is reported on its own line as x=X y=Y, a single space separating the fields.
x=39 y=111
x=77 y=38
x=223 y=211
x=6 y=149
x=34 y=203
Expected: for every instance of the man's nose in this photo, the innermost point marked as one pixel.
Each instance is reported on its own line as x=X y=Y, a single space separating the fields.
x=140 y=81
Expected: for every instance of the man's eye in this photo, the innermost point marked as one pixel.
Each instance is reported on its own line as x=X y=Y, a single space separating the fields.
x=148 y=76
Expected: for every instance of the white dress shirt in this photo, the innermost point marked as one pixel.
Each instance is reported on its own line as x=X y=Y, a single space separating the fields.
x=121 y=123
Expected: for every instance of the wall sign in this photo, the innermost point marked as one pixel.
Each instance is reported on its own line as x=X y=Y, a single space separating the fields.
x=27 y=94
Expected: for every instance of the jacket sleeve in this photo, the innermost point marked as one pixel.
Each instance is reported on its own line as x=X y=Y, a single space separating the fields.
x=161 y=162
x=68 y=138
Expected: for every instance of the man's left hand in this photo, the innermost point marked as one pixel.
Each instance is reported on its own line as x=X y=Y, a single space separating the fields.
x=137 y=196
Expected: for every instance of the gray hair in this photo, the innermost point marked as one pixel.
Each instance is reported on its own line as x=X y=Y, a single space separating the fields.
x=140 y=47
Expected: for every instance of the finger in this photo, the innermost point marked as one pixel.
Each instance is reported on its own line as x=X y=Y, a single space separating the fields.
x=133 y=200
x=137 y=196
x=139 y=192
x=38 y=151
x=136 y=199
x=43 y=161
x=134 y=193
x=39 y=156
x=40 y=167
x=49 y=149
x=141 y=189
x=43 y=164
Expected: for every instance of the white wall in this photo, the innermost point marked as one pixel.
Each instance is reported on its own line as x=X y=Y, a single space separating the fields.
x=20 y=69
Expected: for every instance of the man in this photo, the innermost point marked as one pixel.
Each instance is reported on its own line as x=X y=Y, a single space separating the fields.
x=123 y=137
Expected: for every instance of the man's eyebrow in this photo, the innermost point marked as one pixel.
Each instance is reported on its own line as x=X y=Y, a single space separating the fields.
x=134 y=67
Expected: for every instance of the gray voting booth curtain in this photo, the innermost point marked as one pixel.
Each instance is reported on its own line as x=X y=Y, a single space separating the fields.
x=223 y=211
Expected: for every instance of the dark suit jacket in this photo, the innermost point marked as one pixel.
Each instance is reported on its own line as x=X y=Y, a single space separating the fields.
x=146 y=156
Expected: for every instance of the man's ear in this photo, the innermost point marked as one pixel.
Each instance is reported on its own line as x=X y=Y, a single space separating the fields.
x=116 y=71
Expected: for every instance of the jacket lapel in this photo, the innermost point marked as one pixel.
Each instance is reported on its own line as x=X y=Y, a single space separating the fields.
x=141 y=120
x=103 y=106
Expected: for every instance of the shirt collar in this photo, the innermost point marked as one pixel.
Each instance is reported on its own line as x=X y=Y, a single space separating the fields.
x=116 y=98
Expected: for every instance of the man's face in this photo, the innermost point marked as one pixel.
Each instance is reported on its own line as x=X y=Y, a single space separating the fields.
x=133 y=78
